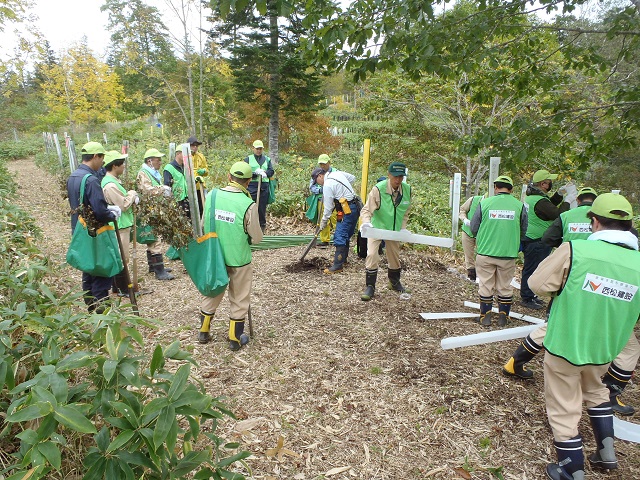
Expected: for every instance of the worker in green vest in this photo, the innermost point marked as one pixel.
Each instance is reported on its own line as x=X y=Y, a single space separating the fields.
x=387 y=207
x=238 y=227
x=543 y=210
x=498 y=224
x=263 y=173
x=467 y=210
x=116 y=194
x=150 y=180
x=595 y=308
x=173 y=177
x=572 y=224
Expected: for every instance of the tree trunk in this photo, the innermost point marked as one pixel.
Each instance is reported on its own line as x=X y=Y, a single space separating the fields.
x=274 y=80
x=192 y=119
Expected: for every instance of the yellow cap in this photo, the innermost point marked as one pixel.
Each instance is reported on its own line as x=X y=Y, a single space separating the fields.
x=241 y=170
x=153 y=152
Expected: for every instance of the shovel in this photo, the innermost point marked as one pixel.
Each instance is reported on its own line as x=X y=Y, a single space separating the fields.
x=311 y=244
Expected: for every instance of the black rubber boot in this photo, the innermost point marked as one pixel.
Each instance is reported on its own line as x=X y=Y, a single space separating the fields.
x=570 y=464
x=486 y=304
x=616 y=380
x=471 y=274
x=342 y=251
x=504 y=308
x=205 y=325
x=601 y=418
x=150 y=262
x=525 y=352
x=158 y=268
x=237 y=339
x=121 y=286
x=370 y=289
x=394 y=280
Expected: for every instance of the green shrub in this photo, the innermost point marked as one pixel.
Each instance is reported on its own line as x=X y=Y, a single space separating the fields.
x=79 y=392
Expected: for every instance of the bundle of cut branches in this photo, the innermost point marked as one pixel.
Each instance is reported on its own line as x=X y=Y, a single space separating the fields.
x=166 y=218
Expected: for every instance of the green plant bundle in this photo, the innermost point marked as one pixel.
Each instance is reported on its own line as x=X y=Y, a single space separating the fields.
x=81 y=397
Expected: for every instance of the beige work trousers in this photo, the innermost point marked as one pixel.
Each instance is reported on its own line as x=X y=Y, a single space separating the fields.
x=239 y=293
x=495 y=275
x=125 y=239
x=566 y=386
x=156 y=247
x=373 y=259
x=469 y=249
x=627 y=359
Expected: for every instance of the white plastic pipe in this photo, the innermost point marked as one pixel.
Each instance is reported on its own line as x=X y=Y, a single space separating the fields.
x=380 y=234
x=494 y=169
x=519 y=316
x=440 y=316
x=626 y=430
x=487 y=337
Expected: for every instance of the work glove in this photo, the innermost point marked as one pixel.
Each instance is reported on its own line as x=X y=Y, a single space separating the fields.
x=137 y=200
x=261 y=172
x=202 y=171
x=166 y=190
x=323 y=224
x=563 y=189
x=570 y=198
x=467 y=222
x=199 y=178
x=115 y=210
x=366 y=225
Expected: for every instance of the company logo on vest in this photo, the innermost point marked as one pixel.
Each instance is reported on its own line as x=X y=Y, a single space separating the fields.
x=609 y=287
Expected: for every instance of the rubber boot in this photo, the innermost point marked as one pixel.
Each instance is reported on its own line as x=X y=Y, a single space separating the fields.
x=158 y=268
x=601 y=418
x=150 y=262
x=237 y=339
x=394 y=280
x=370 y=289
x=471 y=274
x=570 y=464
x=338 y=259
x=486 y=304
x=515 y=366
x=616 y=380
x=205 y=327
x=504 y=308
x=121 y=286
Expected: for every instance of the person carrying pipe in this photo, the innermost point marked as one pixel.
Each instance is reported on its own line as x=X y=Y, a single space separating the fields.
x=388 y=205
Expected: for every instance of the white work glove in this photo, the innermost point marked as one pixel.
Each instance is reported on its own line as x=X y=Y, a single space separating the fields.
x=115 y=210
x=323 y=224
x=137 y=200
x=467 y=222
x=365 y=225
x=570 y=198
x=261 y=172
x=133 y=194
x=166 y=190
x=563 y=189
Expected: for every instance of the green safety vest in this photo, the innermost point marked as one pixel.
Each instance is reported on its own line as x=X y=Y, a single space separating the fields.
x=179 y=186
x=389 y=216
x=575 y=223
x=593 y=316
x=153 y=179
x=472 y=210
x=231 y=207
x=126 y=219
x=499 y=233
x=536 y=226
x=253 y=163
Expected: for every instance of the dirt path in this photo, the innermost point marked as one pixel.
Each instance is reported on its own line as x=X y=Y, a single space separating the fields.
x=357 y=390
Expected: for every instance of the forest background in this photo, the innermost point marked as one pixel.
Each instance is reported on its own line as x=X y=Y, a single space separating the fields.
x=442 y=86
